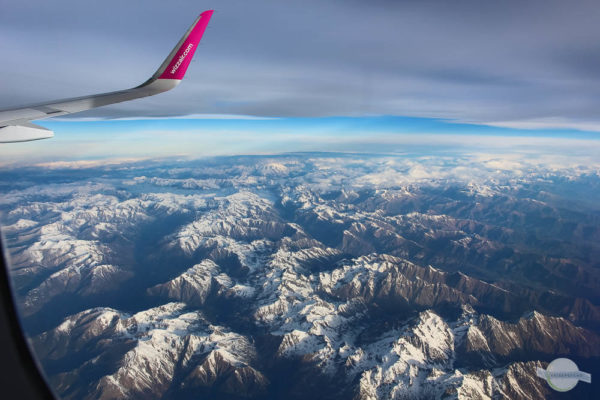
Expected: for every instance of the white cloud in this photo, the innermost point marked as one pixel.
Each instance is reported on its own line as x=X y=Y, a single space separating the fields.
x=547 y=123
x=148 y=118
x=82 y=164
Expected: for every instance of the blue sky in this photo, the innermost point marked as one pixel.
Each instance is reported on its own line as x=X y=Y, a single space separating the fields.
x=197 y=137
x=333 y=125
x=523 y=70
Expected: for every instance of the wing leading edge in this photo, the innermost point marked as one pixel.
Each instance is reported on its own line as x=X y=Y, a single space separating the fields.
x=15 y=123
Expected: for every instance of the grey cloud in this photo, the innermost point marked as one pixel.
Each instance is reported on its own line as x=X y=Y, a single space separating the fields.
x=468 y=60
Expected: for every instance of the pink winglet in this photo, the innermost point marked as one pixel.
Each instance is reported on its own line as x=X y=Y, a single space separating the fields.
x=180 y=62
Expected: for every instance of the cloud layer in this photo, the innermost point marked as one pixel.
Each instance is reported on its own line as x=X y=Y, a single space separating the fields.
x=519 y=64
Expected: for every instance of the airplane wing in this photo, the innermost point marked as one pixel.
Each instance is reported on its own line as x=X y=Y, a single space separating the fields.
x=15 y=125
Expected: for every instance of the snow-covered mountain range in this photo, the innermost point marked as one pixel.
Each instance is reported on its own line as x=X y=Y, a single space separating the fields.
x=327 y=276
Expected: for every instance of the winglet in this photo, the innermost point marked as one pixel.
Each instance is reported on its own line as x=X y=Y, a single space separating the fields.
x=177 y=62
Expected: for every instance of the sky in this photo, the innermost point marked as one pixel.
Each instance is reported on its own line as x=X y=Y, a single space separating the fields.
x=525 y=68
